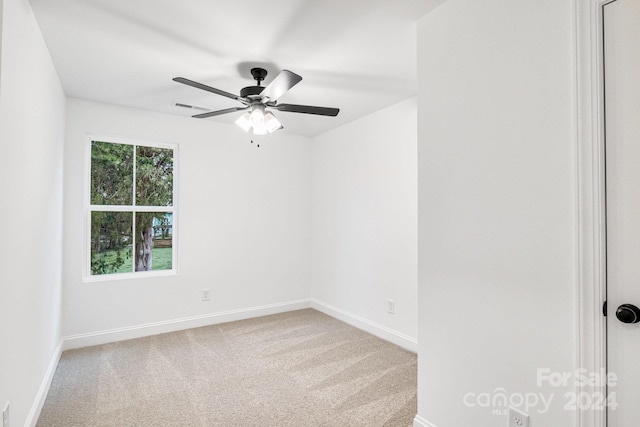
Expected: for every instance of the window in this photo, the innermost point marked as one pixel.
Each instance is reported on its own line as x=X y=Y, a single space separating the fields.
x=131 y=212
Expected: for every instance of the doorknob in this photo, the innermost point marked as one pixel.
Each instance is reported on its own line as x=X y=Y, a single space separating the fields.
x=628 y=313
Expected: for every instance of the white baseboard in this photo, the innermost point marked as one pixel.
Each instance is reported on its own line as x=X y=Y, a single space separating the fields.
x=139 y=331
x=418 y=421
x=148 y=329
x=376 y=329
x=38 y=403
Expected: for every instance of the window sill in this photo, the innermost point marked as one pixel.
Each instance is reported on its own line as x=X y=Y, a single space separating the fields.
x=129 y=276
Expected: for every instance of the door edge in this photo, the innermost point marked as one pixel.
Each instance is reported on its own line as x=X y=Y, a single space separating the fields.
x=591 y=219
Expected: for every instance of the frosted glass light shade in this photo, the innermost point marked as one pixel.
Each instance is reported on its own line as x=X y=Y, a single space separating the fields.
x=244 y=122
x=271 y=123
x=260 y=130
x=257 y=115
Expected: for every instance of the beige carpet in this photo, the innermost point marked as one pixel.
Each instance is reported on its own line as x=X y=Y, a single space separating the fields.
x=301 y=368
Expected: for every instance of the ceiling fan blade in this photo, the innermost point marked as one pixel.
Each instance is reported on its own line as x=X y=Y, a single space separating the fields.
x=281 y=84
x=193 y=107
x=219 y=112
x=307 y=109
x=207 y=88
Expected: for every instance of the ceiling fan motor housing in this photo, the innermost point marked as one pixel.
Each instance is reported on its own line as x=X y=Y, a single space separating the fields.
x=248 y=91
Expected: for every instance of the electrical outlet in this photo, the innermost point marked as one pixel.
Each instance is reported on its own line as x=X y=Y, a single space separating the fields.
x=391 y=306
x=205 y=295
x=517 y=418
x=5 y=415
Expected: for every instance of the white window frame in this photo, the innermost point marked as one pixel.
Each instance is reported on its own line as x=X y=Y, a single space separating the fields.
x=89 y=208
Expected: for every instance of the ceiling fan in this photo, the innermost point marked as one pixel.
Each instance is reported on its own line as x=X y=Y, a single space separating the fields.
x=259 y=100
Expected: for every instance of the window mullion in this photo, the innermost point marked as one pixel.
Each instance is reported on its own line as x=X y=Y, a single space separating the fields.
x=135 y=167
x=133 y=214
x=133 y=243
x=153 y=208
x=111 y=208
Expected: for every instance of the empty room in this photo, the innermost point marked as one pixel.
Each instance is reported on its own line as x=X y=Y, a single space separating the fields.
x=323 y=213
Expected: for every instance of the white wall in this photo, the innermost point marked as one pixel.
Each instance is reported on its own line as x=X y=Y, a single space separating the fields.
x=365 y=219
x=245 y=215
x=496 y=206
x=31 y=141
x=255 y=207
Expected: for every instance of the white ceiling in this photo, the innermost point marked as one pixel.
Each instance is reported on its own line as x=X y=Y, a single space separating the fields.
x=357 y=55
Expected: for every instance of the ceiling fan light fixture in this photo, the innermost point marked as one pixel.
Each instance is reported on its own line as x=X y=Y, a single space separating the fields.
x=260 y=130
x=244 y=121
x=271 y=123
x=257 y=115
x=260 y=121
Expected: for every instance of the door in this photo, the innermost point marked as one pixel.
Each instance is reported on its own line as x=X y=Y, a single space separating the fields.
x=621 y=25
